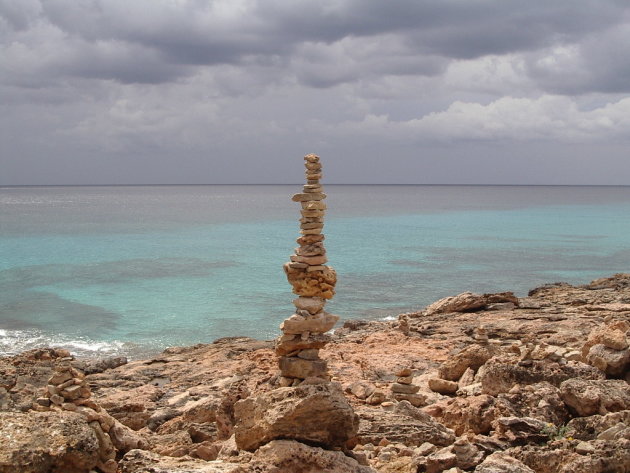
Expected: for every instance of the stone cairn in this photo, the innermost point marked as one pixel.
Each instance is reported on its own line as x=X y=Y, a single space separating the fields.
x=68 y=390
x=304 y=333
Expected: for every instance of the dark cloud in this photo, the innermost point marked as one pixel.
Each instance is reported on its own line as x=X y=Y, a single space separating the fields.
x=159 y=39
x=164 y=91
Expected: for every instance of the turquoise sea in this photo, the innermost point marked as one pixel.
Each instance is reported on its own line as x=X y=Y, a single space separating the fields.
x=132 y=270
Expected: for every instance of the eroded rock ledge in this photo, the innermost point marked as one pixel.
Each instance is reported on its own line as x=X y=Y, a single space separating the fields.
x=485 y=383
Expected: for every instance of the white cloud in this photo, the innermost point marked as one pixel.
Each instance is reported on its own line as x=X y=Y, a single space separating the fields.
x=547 y=118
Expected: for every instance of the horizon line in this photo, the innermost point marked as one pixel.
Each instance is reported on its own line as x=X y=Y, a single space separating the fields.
x=301 y=183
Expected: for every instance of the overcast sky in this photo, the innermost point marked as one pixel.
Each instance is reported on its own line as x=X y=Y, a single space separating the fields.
x=237 y=91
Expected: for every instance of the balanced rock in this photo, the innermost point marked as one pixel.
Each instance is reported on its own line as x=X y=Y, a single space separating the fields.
x=312 y=413
x=290 y=343
x=321 y=322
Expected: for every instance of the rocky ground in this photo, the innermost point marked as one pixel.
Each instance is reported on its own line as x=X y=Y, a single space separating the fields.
x=485 y=383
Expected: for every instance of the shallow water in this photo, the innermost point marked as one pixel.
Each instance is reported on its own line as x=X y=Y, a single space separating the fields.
x=132 y=270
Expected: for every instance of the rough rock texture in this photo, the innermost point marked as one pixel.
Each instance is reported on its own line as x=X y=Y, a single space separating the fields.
x=588 y=397
x=502 y=463
x=499 y=375
x=140 y=461
x=182 y=401
x=317 y=414
x=589 y=428
x=60 y=442
x=280 y=456
x=405 y=424
x=473 y=356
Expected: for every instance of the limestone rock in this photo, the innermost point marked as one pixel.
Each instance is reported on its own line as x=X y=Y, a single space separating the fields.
x=474 y=414
x=473 y=356
x=540 y=400
x=589 y=428
x=312 y=284
x=361 y=389
x=296 y=367
x=613 y=337
x=40 y=442
x=443 y=386
x=287 y=345
x=464 y=302
x=311 y=304
x=308 y=196
x=468 y=455
x=500 y=462
x=319 y=323
x=316 y=414
x=520 y=430
x=441 y=460
x=611 y=361
x=405 y=424
x=589 y=397
x=140 y=461
x=405 y=388
x=280 y=456
x=499 y=376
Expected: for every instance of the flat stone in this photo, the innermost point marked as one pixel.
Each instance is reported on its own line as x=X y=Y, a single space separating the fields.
x=307 y=240
x=312 y=166
x=316 y=249
x=319 y=323
x=312 y=213
x=443 y=386
x=314 y=231
x=308 y=196
x=404 y=372
x=313 y=341
x=311 y=304
x=295 y=265
x=584 y=448
x=416 y=400
x=405 y=379
x=312 y=220
x=73 y=392
x=294 y=367
x=309 y=354
x=312 y=260
x=309 y=226
x=313 y=175
x=318 y=205
x=405 y=388
x=317 y=267
x=311 y=158
x=312 y=188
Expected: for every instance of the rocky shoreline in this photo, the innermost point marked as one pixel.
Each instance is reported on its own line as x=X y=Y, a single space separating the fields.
x=485 y=383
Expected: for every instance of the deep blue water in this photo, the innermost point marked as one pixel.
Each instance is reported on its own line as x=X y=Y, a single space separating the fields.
x=135 y=269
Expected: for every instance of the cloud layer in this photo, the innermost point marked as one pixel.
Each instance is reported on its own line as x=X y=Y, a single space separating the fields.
x=145 y=90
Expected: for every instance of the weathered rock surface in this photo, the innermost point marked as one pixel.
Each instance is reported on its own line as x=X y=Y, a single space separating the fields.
x=280 y=456
x=405 y=424
x=589 y=397
x=502 y=463
x=140 y=461
x=500 y=375
x=315 y=414
x=41 y=442
x=187 y=395
x=473 y=356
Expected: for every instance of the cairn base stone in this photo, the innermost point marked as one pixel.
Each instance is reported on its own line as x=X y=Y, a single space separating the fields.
x=296 y=367
x=313 y=413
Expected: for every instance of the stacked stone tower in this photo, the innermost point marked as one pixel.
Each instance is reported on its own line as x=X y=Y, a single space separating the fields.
x=304 y=333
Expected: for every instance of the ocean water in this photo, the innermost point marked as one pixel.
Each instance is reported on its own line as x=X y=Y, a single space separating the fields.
x=132 y=270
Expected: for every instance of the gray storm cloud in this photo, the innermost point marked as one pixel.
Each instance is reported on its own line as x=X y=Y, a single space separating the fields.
x=150 y=91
